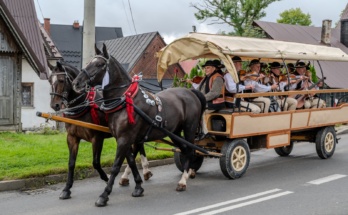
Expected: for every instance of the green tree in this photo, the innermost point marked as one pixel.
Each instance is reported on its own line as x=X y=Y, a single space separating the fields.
x=295 y=17
x=239 y=14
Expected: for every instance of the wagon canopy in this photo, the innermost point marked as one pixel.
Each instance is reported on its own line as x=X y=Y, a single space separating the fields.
x=198 y=45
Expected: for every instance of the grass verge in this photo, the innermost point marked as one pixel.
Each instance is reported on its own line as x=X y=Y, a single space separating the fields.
x=37 y=155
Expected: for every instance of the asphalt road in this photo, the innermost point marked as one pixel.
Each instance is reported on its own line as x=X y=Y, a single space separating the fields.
x=299 y=184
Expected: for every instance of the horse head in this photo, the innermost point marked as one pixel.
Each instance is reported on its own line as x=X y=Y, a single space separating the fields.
x=103 y=70
x=61 y=81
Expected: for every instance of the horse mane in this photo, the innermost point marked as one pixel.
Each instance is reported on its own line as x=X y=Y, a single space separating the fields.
x=119 y=67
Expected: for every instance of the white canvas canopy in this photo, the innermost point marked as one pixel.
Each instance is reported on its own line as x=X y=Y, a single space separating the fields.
x=198 y=45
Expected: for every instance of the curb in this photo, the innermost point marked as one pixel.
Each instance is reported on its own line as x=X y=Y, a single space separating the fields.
x=34 y=183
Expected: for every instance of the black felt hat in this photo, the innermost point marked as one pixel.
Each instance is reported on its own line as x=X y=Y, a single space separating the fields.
x=254 y=61
x=300 y=64
x=215 y=63
x=236 y=59
x=275 y=65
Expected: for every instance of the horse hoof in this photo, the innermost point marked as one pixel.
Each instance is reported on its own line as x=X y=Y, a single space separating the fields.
x=138 y=192
x=65 y=194
x=148 y=175
x=193 y=174
x=124 y=182
x=101 y=202
x=181 y=187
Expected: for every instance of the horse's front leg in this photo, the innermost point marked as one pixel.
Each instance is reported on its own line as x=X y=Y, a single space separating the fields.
x=73 y=145
x=138 y=191
x=122 y=150
x=97 y=143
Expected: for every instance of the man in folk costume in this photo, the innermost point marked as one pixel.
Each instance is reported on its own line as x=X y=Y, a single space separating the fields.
x=231 y=88
x=262 y=102
x=310 y=101
x=213 y=88
x=286 y=103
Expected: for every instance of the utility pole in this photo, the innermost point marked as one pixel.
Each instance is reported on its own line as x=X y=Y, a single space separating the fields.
x=88 y=31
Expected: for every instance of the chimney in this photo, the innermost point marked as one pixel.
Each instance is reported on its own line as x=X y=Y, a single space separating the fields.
x=47 y=25
x=326 y=32
x=76 y=24
x=344 y=32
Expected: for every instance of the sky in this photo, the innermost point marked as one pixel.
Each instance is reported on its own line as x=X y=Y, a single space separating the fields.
x=171 y=18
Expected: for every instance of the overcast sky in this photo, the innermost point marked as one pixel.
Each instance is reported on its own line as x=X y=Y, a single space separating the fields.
x=171 y=18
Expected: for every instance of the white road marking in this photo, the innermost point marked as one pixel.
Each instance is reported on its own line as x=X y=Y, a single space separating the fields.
x=228 y=202
x=326 y=179
x=247 y=203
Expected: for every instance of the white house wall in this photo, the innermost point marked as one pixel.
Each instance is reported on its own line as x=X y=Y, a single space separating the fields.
x=42 y=90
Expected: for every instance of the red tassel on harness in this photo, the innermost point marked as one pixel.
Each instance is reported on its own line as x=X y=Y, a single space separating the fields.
x=93 y=106
x=130 y=108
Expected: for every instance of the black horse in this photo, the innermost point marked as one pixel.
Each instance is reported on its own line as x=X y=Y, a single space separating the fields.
x=166 y=113
x=83 y=108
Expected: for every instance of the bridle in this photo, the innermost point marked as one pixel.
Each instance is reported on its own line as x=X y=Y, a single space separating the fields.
x=91 y=78
x=64 y=95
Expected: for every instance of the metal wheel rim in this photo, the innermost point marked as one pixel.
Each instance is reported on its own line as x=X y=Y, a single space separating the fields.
x=329 y=142
x=238 y=158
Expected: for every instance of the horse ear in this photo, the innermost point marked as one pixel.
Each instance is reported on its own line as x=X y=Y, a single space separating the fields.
x=50 y=66
x=105 y=52
x=97 y=51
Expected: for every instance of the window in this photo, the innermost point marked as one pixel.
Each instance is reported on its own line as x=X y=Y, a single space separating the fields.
x=27 y=94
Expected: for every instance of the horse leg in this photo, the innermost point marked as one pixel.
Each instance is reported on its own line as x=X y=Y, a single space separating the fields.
x=138 y=190
x=97 y=143
x=122 y=150
x=145 y=163
x=124 y=181
x=73 y=145
x=187 y=171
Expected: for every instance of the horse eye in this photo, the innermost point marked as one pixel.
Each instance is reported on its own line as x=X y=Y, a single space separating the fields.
x=61 y=81
x=100 y=65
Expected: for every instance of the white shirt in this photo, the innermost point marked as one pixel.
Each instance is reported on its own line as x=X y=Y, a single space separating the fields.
x=231 y=86
x=257 y=86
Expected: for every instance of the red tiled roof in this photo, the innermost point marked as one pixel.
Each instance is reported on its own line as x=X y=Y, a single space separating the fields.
x=22 y=19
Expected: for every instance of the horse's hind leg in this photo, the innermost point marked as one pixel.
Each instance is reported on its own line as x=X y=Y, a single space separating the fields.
x=97 y=143
x=73 y=145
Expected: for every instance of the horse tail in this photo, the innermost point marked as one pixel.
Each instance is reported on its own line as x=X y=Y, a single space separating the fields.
x=201 y=98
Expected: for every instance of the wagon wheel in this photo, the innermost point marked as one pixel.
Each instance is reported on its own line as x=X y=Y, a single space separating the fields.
x=235 y=159
x=325 y=142
x=180 y=161
x=284 y=150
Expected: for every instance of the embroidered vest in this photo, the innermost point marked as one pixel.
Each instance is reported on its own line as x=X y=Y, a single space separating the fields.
x=219 y=102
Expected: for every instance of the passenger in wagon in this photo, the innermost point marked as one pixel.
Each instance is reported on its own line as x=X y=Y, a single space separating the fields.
x=310 y=101
x=213 y=88
x=231 y=88
x=263 y=102
x=286 y=103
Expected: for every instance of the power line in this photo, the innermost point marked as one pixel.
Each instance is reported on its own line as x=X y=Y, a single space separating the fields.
x=130 y=8
x=124 y=8
x=43 y=18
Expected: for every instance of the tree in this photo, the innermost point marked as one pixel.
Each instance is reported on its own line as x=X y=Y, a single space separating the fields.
x=239 y=14
x=295 y=17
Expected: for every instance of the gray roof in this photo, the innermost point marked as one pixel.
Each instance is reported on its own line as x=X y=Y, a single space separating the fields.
x=69 y=40
x=127 y=50
x=20 y=15
x=335 y=72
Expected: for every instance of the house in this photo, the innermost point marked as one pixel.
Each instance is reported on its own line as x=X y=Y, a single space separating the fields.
x=68 y=39
x=335 y=72
x=137 y=54
x=24 y=88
